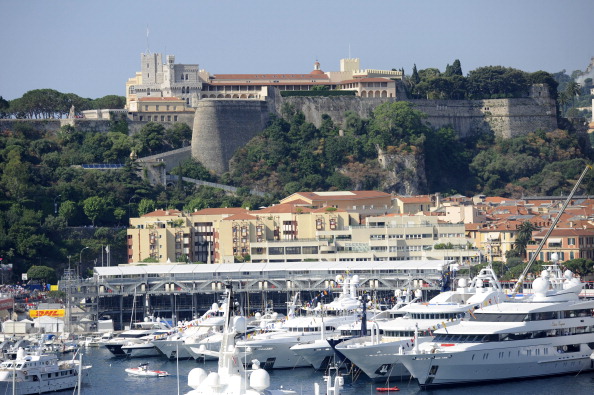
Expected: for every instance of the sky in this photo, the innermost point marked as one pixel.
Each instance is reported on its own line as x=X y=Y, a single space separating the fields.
x=91 y=48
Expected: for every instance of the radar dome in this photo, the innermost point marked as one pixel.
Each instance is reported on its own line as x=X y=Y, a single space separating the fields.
x=568 y=274
x=257 y=315
x=215 y=306
x=462 y=283
x=540 y=285
x=259 y=380
x=479 y=283
x=196 y=377
x=240 y=324
x=544 y=274
x=355 y=279
x=555 y=257
x=213 y=380
x=274 y=315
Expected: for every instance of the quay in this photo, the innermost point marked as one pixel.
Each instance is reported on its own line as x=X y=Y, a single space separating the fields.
x=177 y=292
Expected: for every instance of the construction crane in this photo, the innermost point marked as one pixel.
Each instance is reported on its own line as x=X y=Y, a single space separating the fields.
x=518 y=285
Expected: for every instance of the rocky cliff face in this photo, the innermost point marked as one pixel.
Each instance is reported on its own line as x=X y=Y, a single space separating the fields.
x=404 y=171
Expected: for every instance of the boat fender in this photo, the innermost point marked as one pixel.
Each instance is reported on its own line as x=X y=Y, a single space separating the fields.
x=564 y=348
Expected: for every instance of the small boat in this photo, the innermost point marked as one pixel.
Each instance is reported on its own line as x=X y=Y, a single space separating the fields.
x=142 y=370
x=387 y=389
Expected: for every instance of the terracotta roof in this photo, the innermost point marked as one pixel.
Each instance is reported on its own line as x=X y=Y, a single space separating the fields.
x=239 y=217
x=284 y=208
x=414 y=199
x=565 y=232
x=220 y=211
x=163 y=213
x=267 y=77
x=341 y=195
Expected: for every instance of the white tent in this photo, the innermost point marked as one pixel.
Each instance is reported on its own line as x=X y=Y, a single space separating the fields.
x=49 y=324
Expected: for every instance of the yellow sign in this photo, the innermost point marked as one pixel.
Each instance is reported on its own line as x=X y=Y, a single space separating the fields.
x=48 y=313
x=54 y=288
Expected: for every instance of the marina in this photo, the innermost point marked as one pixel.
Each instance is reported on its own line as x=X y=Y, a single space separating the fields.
x=108 y=376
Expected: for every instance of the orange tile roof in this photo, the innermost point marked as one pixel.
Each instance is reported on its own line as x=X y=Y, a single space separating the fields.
x=266 y=77
x=283 y=208
x=163 y=213
x=354 y=195
x=221 y=211
x=414 y=199
x=240 y=217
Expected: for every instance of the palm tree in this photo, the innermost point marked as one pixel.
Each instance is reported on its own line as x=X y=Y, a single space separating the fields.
x=573 y=90
x=524 y=236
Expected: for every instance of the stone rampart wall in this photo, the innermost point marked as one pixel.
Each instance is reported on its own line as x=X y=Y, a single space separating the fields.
x=223 y=126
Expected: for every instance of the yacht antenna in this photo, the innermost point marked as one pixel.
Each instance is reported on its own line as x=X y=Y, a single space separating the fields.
x=546 y=236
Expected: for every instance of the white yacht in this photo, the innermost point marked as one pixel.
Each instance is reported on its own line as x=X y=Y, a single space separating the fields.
x=272 y=348
x=175 y=345
x=135 y=335
x=376 y=355
x=550 y=332
x=38 y=373
x=269 y=321
x=231 y=378
x=320 y=352
x=145 y=347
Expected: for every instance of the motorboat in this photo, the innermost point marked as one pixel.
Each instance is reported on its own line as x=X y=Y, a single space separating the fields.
x=143 y=370
x=334 y=382
x=231 y=378
x=37 y=373
x=137 y=334
x=146 y=346
x=273 y=347
x=175 y=346
x=377 y=354
x=550 y=332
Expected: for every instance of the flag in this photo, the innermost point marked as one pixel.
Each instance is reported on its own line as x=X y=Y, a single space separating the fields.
x=107 y=249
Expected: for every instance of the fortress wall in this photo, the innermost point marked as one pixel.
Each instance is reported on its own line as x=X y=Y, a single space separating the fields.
x=505 y=117
x=223 y=126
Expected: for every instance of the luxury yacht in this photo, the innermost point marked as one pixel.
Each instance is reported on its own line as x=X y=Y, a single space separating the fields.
x=550 y=332
x=135 y=335
x=320 y=352
x=273 y=348
x=376 y=355
x=176 y=345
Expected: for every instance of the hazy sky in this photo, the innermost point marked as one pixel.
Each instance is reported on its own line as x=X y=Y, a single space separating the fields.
x=92 y=47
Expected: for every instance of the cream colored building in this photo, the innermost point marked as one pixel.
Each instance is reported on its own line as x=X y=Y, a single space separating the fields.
x=163 y=235
x=291 y=232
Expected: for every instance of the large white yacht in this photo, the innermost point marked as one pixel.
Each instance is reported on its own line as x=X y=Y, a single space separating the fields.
x=550 y=332
x=376 y=355
x=175 y=345
x=320 y=352
x=273 y=348
x=135 y=335
x=39 y=373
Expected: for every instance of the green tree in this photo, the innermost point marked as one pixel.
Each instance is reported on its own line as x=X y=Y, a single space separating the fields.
x=42 y=273
x=95 y=207
x=146 y=206
x=523 y=237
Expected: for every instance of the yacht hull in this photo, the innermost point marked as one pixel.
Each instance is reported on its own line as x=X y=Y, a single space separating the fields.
x=378 y=361
x=496 y=364
x=172 y=349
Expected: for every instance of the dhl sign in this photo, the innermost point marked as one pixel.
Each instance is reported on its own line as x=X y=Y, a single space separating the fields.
x=48 y=313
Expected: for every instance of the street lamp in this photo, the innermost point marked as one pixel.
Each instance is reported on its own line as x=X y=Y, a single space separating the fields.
x=80 y=261
x=56 y=204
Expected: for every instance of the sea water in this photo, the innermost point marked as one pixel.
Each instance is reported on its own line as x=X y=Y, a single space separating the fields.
x=107 y=377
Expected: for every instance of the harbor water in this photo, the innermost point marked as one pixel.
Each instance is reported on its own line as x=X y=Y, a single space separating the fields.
x=108 y=377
